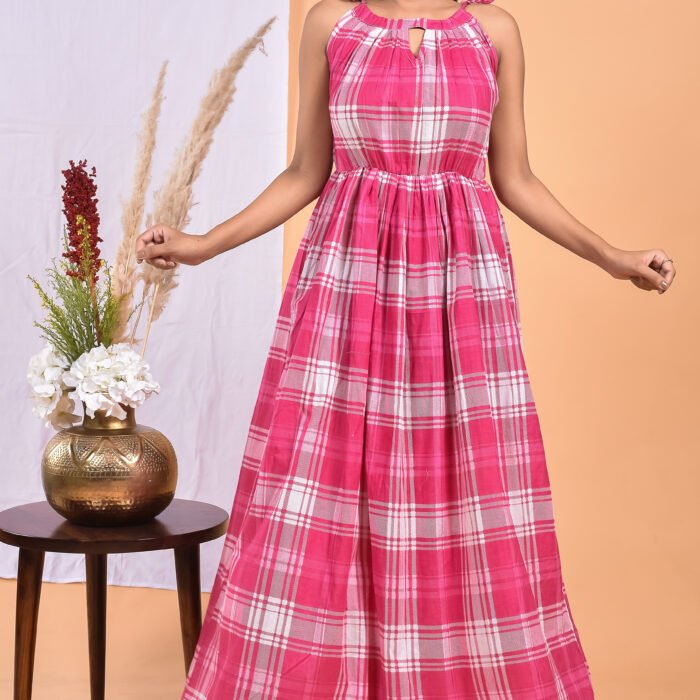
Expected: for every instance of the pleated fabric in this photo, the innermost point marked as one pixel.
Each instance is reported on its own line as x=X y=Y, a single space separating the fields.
x=392 y=531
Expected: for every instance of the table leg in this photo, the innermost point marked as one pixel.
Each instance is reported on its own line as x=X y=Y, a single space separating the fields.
x=96 y=587
x=29 y=573
x=189 y=597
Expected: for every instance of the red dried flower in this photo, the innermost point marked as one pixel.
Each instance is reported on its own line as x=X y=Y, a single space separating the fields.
x=83 y=219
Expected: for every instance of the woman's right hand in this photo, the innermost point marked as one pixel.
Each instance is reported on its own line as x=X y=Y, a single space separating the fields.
x=164 y=247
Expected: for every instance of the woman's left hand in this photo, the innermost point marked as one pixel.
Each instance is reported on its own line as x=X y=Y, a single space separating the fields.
x=647 y=269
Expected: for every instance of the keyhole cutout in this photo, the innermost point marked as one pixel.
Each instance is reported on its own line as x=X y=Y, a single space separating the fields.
x=415 y=39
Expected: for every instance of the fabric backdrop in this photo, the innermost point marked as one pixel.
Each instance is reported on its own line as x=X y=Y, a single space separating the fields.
x=76 y=78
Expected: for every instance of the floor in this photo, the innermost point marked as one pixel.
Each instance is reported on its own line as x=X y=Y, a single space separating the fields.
x=144 y=653
x=144 y=656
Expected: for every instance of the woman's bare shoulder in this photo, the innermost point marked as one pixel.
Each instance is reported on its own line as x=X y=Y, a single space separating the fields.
x=499 y=24
x=493 y=18
x=323 y=16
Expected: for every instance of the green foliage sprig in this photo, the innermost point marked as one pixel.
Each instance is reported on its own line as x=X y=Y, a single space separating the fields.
x=81 y=316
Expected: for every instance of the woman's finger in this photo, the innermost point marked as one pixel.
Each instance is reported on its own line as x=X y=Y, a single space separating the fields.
x=661 y=263
x=153 y=251
x=158 y=255
x=154 y=234
x=161 y=263
x=146 y=238
x=652 y=277
x=667 y=269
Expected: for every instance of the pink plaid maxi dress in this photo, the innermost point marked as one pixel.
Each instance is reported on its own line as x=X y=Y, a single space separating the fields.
x=392 y=531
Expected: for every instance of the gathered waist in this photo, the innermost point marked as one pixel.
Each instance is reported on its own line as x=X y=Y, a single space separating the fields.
x=411 y=179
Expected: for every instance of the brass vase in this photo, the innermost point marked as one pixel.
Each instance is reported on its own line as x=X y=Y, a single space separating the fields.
x=109 y=471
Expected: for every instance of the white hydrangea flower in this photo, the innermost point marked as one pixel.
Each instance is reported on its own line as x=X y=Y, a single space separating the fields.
x=104 y=378
x=50 y=400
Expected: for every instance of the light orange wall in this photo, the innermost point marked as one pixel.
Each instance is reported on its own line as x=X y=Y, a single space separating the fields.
x=611 y=104
x=611 y=111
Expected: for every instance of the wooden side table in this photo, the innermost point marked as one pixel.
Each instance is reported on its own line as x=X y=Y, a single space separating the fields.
x=36 y=529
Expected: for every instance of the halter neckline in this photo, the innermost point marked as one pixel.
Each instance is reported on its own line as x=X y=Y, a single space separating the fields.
x=459 y=16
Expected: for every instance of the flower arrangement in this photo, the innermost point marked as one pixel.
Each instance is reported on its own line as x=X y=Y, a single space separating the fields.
x=80 y=358
x=89 y=344
x=50 y=400
x=115 y=472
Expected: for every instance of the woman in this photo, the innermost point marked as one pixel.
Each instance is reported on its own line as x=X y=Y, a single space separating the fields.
x=392 y=531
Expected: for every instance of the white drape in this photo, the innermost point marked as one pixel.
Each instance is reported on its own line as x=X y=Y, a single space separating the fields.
x=76 y=76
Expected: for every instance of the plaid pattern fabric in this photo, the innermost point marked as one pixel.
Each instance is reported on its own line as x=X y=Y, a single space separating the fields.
x=392 y=531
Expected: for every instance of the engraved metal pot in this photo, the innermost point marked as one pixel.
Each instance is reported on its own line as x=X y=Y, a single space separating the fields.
x=109 y=471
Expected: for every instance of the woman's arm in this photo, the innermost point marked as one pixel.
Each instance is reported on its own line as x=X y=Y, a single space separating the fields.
x=300 y=183
x=517 y=187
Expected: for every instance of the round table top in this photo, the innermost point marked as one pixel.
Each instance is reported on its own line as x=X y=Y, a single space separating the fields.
x=38 y=526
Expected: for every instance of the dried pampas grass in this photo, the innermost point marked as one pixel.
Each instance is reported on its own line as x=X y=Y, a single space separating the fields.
x=124 y=278
x=173 y=200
